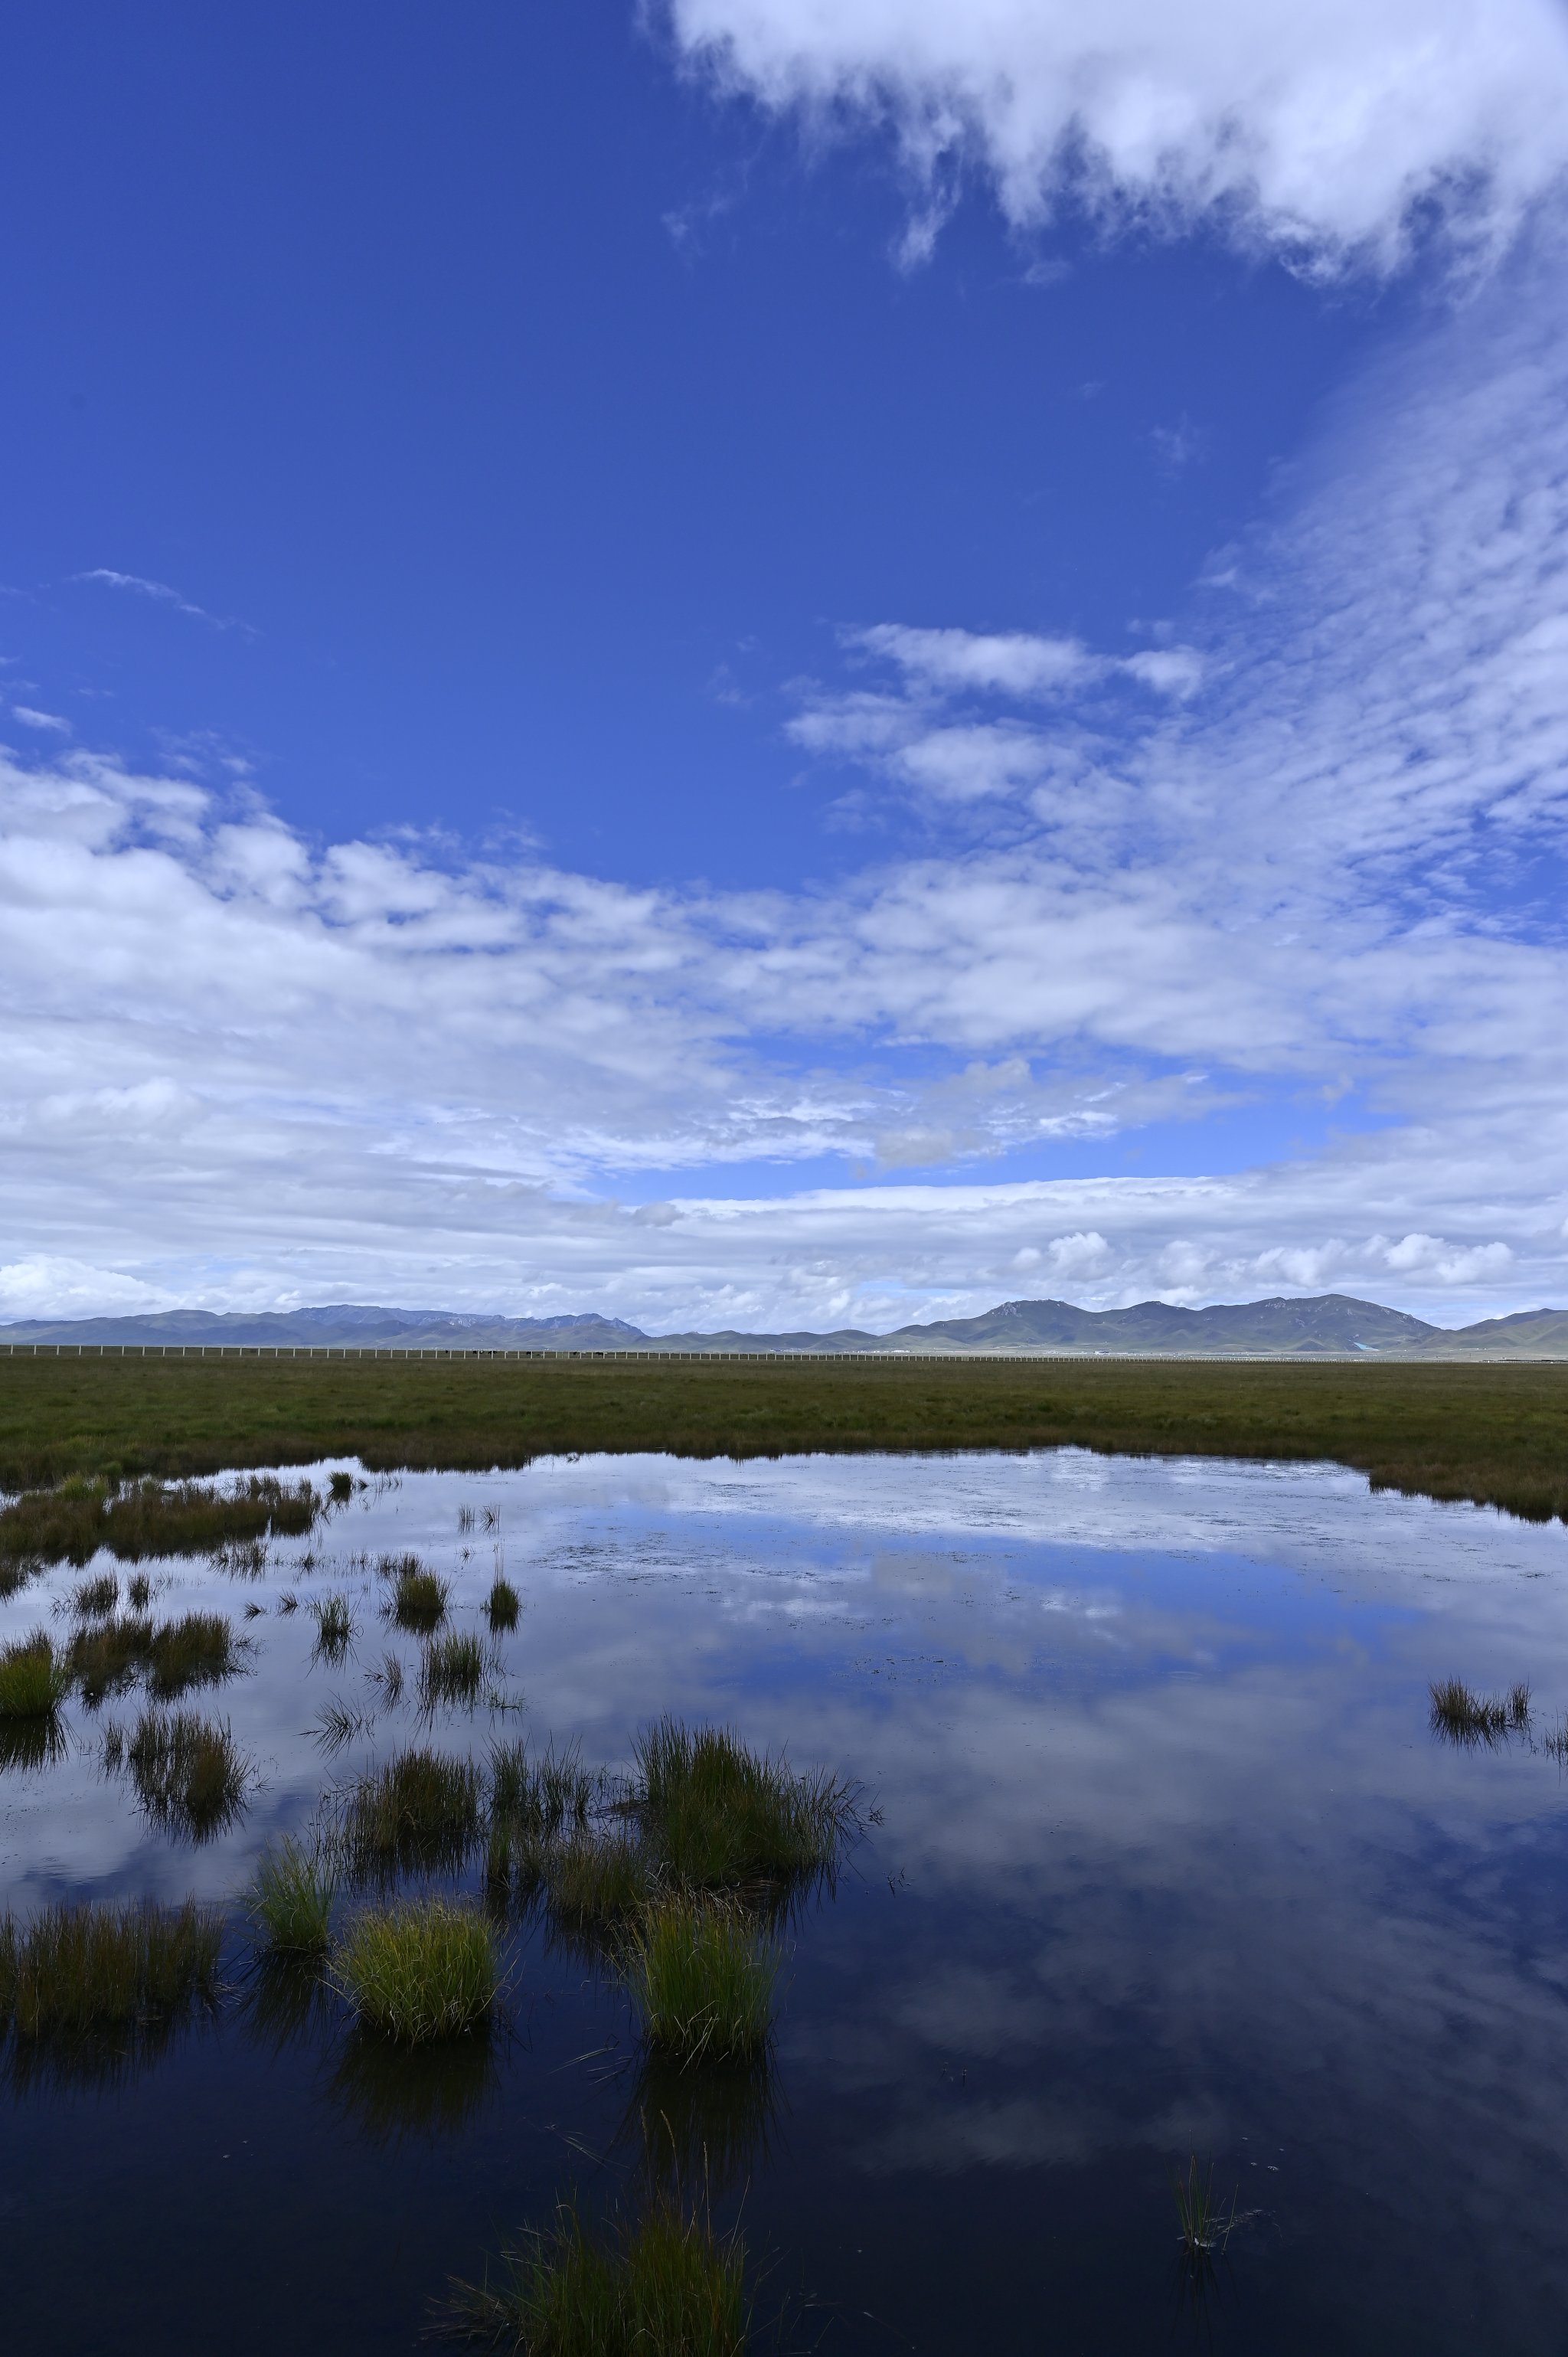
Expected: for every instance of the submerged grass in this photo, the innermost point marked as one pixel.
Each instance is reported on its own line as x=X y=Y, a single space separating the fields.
x=290 y=1899
x=79 y=1968
x=426 y=1970
x=451 y=1669
x=703 y=1979
x=34 y=1680
x=70 y=1523
x=420 y=1810
x=666 y=2286
x=1463 y=1717
x=189 y=1774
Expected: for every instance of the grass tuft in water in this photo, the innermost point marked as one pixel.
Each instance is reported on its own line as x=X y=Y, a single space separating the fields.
x=340 y=1488
x=80 y=1967
x=340 y=1723
x=189 y=1775
x=96 y=1596
x=503 y=1605
x=550 y=1795
x=138 y=1591
x=290 y=1899
x=1205 y=2226
x=419 y=1596
x=451 y=1669
x=198 y=1650
x=424 y=1970
x=334 y=1627
x=420 y=1810
x=1463 y=1717
x=666 y=2286
x=703 y=1980
x=34 y=1681
x=721 y=1817
x=596 y=1886
x=71 y=1523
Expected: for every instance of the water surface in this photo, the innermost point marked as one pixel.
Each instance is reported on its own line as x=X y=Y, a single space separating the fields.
x=1164 y=1859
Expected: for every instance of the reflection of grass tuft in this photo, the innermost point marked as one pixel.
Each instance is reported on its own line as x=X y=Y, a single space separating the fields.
x=290 y=1899
x=703 y=1979
x=187 y=1774
x=663 y=2287
x=424 y=1970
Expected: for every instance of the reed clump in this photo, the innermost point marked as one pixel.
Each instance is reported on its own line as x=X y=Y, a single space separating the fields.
x=702 y=1978
x=418 y=1811
x=80 y=1967
x=290 y=1899
x=189 y=1774
x=721 y=1817
x=1464 y=1717
x=550 y=1795
x=34 y=1679
x=96 y=1596
x=503 y=1605
x=451 y=1669
x=665 y=2287
x=70 y=1522
x=426 y=1970
x=419 y=1596
x=599 y=1883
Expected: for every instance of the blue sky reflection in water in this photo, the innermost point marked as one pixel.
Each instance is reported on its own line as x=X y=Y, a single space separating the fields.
x=1167 y=1860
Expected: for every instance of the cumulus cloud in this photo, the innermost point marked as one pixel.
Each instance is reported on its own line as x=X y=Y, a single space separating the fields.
x=1324 y=133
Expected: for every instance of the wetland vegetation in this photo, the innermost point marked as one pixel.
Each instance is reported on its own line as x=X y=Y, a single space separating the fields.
x=1498 y=1434
x=664 y=2286
x=427 y=1968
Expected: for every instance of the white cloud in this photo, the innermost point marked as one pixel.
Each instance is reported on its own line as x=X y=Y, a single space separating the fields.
x=105 y=577
x=49 y=722
x=241 y=1066
x=1322 y=132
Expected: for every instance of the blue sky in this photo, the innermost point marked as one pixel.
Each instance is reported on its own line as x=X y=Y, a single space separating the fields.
x=766 y=663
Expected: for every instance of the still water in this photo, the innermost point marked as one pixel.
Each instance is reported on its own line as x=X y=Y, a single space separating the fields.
x=1161 y=1858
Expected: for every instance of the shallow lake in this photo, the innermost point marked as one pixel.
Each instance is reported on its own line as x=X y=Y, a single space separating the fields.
x=1161 y=1858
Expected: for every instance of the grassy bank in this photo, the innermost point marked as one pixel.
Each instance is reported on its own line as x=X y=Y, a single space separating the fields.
x=1495 y=1434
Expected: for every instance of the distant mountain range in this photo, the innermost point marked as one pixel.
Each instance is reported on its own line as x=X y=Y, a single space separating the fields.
x=1330 y=1323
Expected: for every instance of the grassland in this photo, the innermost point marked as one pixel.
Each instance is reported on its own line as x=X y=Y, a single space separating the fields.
x=1498 y=1434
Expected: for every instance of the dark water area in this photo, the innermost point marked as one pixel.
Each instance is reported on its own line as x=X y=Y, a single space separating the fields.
x=1162 y=1859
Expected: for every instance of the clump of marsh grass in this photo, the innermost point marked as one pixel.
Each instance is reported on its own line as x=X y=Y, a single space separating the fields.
x=503 y=1605
x=288 y=1601
x=596 y=1886
x=418 y=1811
x=428 y=1969
x=334 y=1626
x=290 y=1899
x=340 y=1486
x=419 y=1596
x=451 y=1669
x=389 y=1678
x=722 y=1817
x=198 y=1650
x=703 y=1979
x=1204 y=2224
x=34 y=1680
x=1463 y=1717
x=666 y=2286
x=79 y=1968
x=96 y=1596
x=70 y=1522
x=189 y=1775
x=550 y=1795
x=138 y=1591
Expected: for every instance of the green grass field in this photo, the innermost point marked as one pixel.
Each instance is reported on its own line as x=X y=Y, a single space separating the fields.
x=1495 y=1434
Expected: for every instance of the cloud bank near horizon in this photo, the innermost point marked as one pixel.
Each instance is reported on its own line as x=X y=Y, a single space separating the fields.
x=1310 y=844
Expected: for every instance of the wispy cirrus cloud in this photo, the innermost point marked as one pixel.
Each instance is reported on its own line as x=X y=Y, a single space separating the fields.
x=138 y=586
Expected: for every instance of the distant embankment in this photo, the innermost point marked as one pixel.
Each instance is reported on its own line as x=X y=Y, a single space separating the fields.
x=1495 y=1435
